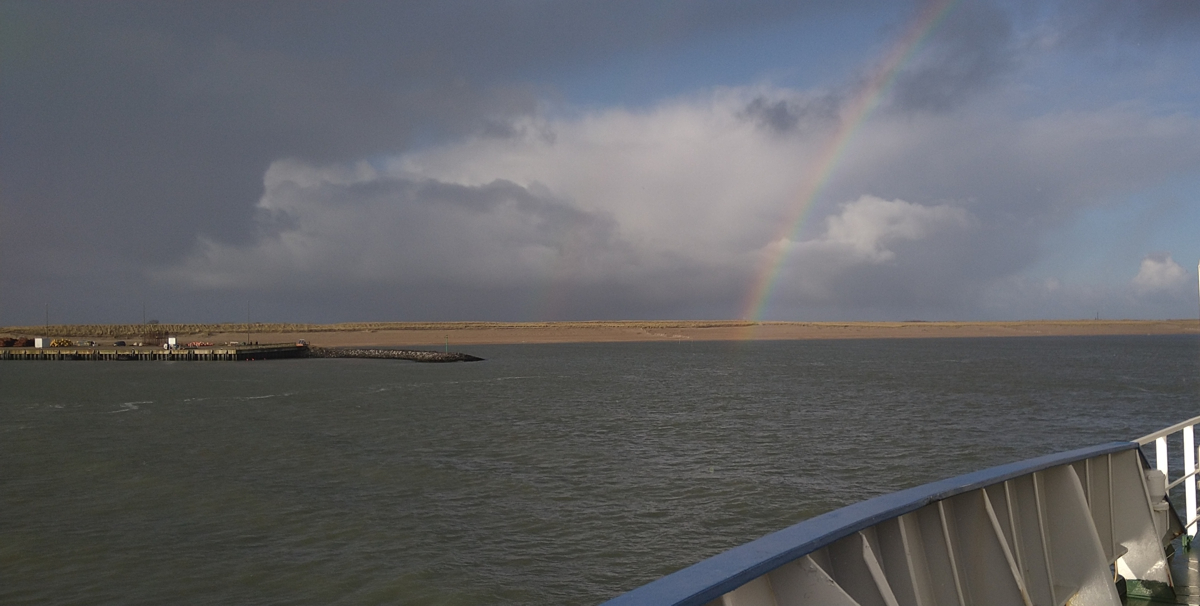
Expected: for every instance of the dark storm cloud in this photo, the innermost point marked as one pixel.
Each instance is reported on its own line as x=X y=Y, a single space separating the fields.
x=789 y=115
x=380 y=160
x=965 y=55
x=1151 y=21
x=443 y=250
x=778 y=116
x=974 y=198
x=352 y=227
x=129 y=128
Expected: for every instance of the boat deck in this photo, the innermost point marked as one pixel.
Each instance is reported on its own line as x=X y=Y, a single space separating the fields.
x=1185 y=570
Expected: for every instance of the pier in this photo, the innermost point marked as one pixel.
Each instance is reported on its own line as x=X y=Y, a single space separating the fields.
x=225 y=353
x=415 y=355
x=113 y=352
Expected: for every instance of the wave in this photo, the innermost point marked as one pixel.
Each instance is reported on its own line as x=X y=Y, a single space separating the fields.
x=128 y=406
x=272 y=395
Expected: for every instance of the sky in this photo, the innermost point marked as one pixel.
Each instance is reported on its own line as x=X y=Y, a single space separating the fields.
x=526 y=160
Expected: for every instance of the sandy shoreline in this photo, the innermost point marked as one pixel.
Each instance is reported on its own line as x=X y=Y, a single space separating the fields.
x=478 y=333
x=764 y=331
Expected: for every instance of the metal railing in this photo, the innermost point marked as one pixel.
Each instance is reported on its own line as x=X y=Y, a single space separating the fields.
x=1047 y=530
x=1188 y=471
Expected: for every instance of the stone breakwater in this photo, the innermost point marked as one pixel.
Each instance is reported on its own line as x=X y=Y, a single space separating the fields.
x=416 y=355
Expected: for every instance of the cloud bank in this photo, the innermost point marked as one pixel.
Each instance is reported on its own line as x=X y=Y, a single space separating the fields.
x=524 y=160
x=672 y=210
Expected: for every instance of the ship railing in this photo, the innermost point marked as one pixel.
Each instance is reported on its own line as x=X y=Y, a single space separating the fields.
x=1187 y=471
x=1068 y=528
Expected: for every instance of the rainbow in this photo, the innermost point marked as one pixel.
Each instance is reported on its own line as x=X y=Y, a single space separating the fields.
x=854 y=115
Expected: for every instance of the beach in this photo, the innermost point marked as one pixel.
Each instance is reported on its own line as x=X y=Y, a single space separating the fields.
x=612 y=332
x=457 y=334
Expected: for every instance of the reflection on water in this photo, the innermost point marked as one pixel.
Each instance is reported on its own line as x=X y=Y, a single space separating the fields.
x=552 y=474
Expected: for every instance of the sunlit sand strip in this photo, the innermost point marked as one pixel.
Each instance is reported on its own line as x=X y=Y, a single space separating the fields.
x=466 y=333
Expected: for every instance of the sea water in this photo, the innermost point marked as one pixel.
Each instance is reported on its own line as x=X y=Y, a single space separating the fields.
x=547 y=474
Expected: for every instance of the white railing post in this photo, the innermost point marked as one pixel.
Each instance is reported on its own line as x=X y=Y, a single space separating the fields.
x=1160 y=457
x=1189 y=466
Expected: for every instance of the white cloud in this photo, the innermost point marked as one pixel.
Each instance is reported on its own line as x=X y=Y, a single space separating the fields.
x=681 y=195
x=869 y=226
x=660 y=208
x=875 y=253
x=691 y=175
x=1159 y=272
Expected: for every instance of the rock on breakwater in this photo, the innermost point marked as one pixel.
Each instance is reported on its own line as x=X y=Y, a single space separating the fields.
x=415 y=355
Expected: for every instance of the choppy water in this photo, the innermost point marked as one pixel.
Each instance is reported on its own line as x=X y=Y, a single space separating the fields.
x=549 y=474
